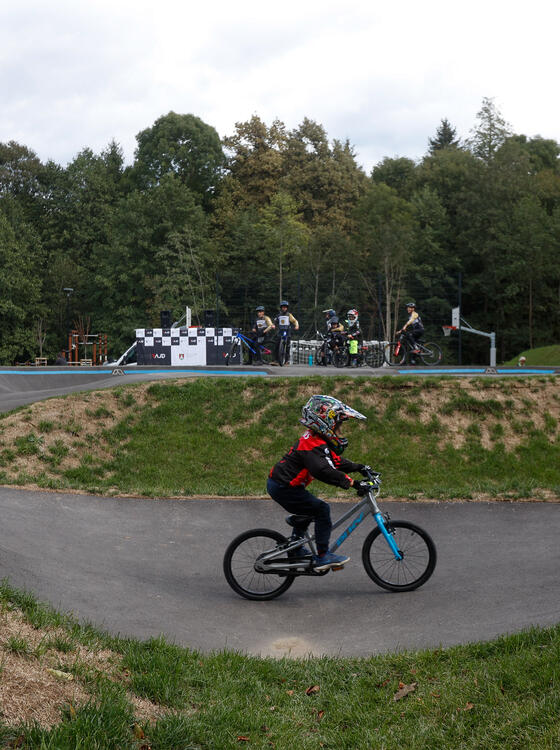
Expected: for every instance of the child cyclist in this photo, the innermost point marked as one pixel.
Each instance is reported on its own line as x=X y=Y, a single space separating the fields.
x=317 y=455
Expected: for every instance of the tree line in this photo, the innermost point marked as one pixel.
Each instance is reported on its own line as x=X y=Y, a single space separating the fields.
x=269 y=213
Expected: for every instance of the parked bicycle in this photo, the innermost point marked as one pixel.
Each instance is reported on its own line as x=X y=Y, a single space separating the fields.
x=401 y=352
x=370 y=355
x=244 y=350
x=333 y=349
x=261 y=564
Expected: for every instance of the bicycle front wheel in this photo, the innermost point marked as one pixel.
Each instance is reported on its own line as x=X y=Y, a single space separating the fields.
x=234 y=356
x=430 y=354
x=341 y=357
x=394 y=353
x=282 y=352
x=239 y=565
x=418 y=557
x=374 y=356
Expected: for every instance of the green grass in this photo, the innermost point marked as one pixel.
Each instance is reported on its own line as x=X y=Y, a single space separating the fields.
x=222 y=436
x=501 y=694
x=543 y=356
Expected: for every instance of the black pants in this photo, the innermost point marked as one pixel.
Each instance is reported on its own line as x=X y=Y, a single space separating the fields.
x=298 y=500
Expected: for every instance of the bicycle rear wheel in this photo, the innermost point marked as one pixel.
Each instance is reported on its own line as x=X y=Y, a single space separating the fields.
x=416 y=566
x=430 y=354
x=394 y=353
x=265 y=352
x=239 y=565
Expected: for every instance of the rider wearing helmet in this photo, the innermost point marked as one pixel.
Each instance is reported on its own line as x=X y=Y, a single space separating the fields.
x=334 y=331
x=354 y=335
x=413 y=329
x=284 y=322
x=316 y=455
x=261 y=326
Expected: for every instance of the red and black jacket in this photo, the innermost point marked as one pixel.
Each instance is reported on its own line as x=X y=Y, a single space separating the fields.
x=311 y=458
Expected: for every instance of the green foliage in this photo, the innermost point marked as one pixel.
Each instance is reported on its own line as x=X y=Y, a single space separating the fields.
x=273 y=211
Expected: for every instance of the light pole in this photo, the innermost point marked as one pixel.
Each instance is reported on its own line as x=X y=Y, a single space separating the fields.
x=69 y=291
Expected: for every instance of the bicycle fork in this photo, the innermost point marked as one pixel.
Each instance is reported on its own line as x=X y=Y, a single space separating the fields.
x=380 y=521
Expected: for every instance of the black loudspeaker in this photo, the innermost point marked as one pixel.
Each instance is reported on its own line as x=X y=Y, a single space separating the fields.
x=165 y=319
x=209 y=318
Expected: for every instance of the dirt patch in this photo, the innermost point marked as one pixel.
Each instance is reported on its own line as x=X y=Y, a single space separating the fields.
x=40 y=670
x=57 y=433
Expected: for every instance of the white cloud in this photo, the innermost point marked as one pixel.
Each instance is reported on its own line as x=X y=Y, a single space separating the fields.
x=75 y=75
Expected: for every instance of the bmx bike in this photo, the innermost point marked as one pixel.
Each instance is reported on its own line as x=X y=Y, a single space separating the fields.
x=400 y=352
x=262 y=564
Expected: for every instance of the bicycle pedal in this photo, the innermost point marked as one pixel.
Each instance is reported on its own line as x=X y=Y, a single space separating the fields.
x=337 y=567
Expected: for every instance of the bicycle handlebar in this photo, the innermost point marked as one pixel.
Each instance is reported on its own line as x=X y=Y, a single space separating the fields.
x=373 y=476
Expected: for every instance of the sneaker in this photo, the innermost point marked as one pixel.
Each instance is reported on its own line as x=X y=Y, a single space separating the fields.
x=329 y=560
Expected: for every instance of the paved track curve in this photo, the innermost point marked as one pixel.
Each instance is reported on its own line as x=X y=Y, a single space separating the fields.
x=24 y=385
x=144 y=567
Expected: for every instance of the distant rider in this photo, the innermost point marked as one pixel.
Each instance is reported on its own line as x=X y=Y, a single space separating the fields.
x=284 y=321
x=354 y=335
x=335 y=330
x=261 y=327
x=413 y=329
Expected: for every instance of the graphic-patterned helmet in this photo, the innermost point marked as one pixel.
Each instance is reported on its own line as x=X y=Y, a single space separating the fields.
x=323 y=414
x=352 y=315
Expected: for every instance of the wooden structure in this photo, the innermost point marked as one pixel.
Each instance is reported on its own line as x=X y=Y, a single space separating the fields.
x=86 y=349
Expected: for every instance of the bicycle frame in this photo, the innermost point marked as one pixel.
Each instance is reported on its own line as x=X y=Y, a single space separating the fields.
x=249 y=342
x=365 y=507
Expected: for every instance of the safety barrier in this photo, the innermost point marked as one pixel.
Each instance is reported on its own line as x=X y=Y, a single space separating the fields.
x=304 y=352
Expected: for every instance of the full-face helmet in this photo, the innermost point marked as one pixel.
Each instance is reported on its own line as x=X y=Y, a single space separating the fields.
x=352 y=315
x=324 y=414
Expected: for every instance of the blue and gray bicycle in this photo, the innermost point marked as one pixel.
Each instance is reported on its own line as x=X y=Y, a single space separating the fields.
x=262 y=564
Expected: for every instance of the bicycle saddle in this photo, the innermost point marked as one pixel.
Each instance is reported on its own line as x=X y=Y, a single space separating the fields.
x=298 y=521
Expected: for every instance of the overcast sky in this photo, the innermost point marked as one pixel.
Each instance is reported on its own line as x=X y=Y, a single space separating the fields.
x=77 y=74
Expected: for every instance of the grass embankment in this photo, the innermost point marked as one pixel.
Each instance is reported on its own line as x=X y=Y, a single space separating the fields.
x=542 y=356
x=434 y=438
x=65 y=686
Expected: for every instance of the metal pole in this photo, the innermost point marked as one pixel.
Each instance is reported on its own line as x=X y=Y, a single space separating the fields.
x=460 y=342
x=492 y=350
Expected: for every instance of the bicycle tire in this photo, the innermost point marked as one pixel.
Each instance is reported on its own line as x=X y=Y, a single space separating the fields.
x=417 y=565
x=234 y=354
x=281 y=352
x=340 y=357
x=433 y=357
x=374 y=356
x=239 y=561
x=392 y=359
